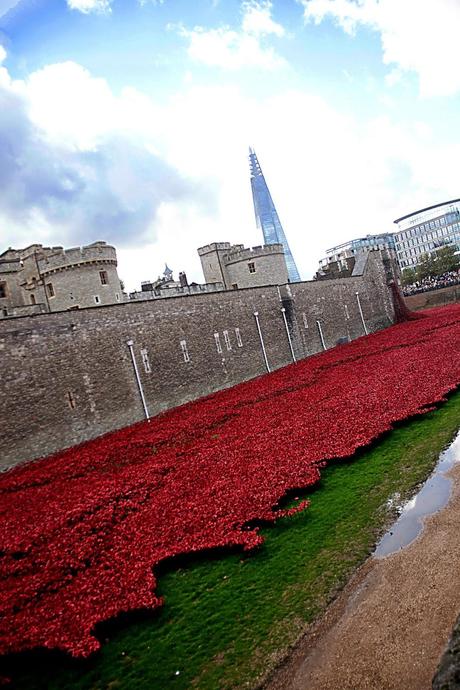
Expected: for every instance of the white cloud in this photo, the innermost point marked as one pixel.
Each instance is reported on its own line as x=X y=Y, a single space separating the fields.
x=233 y=50
x=70 y=106
x=257 y=19
x=79 y=163
x=87 y=6
x=417 y=36
x=332 y=177
x=71 y=172
x=229 y=49
x=7 y=5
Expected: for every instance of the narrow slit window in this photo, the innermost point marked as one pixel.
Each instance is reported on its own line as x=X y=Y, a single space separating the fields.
x=185 y=354
x=50 y=289
x=347 y=315
x=305 y=320
x=97 y=299
x=146 y=361
x=227 y=340
x=239 y=342
x=70 y=400
x=217 y=341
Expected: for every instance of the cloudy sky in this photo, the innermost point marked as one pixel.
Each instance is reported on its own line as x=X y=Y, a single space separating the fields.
x=130 y=121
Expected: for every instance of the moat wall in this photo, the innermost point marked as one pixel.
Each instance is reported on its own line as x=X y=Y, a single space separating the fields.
x=68 y=377
x=433 y=298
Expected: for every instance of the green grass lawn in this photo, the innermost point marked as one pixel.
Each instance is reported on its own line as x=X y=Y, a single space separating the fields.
x=227 y=618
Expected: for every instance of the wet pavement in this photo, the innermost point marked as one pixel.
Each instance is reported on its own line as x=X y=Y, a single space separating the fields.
x=433 y=496
x=390 y=625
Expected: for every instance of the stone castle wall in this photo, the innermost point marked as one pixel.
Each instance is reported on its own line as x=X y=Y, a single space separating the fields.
x=80 y=286
x=68 y=376
x=269 y=266
x=433 y=298
x=229 y=264
x=74 y=256
x=58 y=278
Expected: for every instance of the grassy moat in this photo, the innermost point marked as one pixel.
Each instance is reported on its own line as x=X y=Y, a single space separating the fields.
x=227 y=618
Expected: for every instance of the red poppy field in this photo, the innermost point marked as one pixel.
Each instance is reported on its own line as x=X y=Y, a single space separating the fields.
x=81 y=531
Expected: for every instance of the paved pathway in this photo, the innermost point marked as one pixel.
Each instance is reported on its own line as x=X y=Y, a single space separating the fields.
x=389 y=627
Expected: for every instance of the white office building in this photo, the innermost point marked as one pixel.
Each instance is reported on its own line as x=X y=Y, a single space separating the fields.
x=426 y=230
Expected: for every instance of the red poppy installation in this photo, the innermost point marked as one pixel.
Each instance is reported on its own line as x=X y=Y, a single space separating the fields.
x=81 y=531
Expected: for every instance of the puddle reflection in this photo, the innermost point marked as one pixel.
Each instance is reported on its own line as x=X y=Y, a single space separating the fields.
x=433 y=496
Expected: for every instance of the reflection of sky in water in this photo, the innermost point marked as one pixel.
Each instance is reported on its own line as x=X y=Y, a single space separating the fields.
x=433 y=496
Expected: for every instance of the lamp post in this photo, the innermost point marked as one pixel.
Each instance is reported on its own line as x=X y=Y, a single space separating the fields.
x=361 y=313
x=283 y=311
x=130 y=344
x=320 y=330
x=256 y=316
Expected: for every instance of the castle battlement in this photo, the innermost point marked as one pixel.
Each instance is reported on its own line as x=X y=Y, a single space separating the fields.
x=58 y=278
x=213 y=247
x=10 y=265
x=237 y=266
x=250 y=253
x=61 y=259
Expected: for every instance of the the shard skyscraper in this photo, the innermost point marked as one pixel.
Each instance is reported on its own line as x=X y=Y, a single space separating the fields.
x=266 y=216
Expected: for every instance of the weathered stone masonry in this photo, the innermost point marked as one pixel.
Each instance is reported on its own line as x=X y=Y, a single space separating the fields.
x=68 y=376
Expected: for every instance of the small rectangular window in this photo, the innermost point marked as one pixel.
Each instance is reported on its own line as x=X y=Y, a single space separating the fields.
x=185 y=354
x=239 y=342
x=104 y=277
x=2 y=290
x=97 y=299
x=217 y=341
x=117 y=296
x=305 y=320
x=227 y=340
x=50 y=289
x=234 y=286
x=347 y=315
x=146 y=361
x=252 y=267
x=32 y=299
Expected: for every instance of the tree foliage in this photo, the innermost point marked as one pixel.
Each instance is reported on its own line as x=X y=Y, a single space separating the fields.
x=436 y=263
x=408 y=276
x=446 y=259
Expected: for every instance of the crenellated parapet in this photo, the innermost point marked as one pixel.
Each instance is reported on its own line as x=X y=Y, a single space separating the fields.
x=237 y=266
x=56 y=279
x=60 y=259
x=239 y=253
x=213 y=247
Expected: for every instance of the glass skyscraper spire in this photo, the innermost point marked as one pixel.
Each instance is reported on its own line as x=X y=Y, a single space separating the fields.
x=267 y=217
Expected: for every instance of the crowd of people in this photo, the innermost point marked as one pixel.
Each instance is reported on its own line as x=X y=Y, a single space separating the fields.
x=432 y=283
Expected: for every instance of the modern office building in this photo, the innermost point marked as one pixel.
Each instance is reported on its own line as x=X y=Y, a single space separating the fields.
x=340 y=260
x=267 y=217
x=426 y=230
